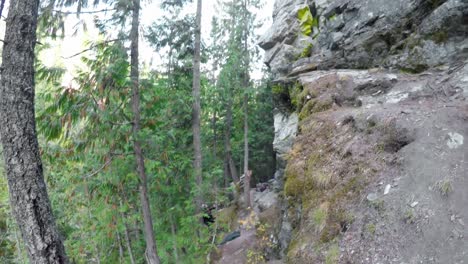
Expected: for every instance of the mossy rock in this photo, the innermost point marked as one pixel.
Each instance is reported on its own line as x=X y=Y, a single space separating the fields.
x=439 y=37
x=227 y=217
x=315 y=106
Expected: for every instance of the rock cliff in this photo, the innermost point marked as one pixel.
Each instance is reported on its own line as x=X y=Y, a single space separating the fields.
x=370 y=130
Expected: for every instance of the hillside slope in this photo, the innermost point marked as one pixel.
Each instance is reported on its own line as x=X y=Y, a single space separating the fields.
x=371 y=128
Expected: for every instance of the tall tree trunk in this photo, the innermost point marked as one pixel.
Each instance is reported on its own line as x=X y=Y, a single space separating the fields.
x=197 y=161
x=247 y=172
x=151 y=252
x=28 y=192
x=214 y=121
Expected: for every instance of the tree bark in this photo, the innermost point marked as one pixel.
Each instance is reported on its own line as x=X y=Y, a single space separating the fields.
x=247 y=172
x=23 y=165
x=151 y=252
x=197 y=161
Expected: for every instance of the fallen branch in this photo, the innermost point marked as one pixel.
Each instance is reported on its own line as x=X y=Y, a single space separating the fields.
x=90 y=48
x=82 y=12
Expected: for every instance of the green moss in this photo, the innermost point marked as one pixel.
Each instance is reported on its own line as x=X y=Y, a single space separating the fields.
x=351 y=189
x=439 y=37
x=444 y=187
x=254 y=257
x=321 y=190
x=378 y=205
x=294 y=247
x=322 y=179
x=333 y=255
x=311 y=200
x=279 y=89
x=434 y=3
x=319 y=217
x=409 y=216
x=295 y=94
x=295 y=184
x=306 y=52
x=315 y=106
x=371 y=228
x=307 y=21
x=226 y=217
x=415 y=69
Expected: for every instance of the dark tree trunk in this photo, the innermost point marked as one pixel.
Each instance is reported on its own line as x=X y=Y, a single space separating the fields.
x=28 y=191
x=197 y=161
x=151 y=252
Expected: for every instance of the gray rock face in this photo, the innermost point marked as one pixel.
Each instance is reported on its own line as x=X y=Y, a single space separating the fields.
x=412 y=35
x=265 y=200
x=285 y=132
x=375 y=63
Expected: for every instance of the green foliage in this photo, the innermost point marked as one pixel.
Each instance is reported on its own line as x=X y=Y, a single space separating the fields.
x=306 y=52
x=254 y=257
x=444 y=187
x=307 y=21
x=8 y=242
x=333 y=255
x=320 y=217
x=87 y=142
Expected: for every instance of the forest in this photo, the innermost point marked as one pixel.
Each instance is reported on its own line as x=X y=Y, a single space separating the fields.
x=126 y=162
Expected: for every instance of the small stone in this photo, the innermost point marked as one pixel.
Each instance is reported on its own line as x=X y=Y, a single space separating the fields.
x=372 y=197
x=454 y=140
x=387 y=189
x=414 y=204
x=452 y=218
x=460 y=221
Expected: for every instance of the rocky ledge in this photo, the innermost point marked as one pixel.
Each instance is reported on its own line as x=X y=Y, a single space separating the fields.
x=371 y=128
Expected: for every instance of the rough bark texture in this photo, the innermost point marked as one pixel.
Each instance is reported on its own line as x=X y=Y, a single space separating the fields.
x=151 y=253
x=197 y=161
x=28 y=192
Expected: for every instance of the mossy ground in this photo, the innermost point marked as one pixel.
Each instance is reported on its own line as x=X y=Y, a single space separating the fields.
x=322 y=185
x=322 y=178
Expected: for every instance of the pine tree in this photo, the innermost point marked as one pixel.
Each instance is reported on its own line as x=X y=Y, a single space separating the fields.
x=28 y=191
x=151 y=252
x=197 y=161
